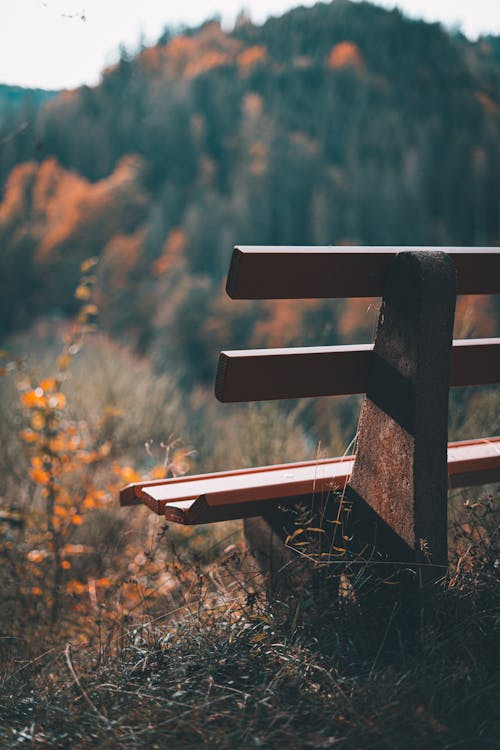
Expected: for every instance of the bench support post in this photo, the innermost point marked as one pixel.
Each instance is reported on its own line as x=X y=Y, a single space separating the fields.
x=395 y=506
x=400 y=470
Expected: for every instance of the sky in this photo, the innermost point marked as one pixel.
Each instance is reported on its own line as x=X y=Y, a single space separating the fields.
x=65 y=43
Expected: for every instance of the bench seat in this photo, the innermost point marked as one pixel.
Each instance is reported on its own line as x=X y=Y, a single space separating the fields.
x=251 y=492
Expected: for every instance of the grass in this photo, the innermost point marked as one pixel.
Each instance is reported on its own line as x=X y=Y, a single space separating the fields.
x=226 y=666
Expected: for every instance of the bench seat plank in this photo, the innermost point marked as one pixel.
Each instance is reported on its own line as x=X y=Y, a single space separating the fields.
x=474 y=462
x=299 y=372
x=161 y=491
x=259 y=272
x=252 y=492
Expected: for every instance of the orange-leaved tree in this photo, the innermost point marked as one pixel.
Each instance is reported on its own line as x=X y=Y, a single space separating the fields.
x=63 y=550
x=61 y=451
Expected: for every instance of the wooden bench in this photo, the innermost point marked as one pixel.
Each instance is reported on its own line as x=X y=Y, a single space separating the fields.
x=399 y=478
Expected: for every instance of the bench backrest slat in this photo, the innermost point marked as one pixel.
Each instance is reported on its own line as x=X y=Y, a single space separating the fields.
x=301 y=372
x=337 y=272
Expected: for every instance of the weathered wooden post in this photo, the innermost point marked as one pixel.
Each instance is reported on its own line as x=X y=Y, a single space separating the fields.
x=400 y=469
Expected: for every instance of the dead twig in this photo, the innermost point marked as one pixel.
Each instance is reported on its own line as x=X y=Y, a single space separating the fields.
x=67 y=654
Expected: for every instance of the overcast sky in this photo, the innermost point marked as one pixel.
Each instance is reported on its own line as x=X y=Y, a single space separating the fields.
x=64 y=43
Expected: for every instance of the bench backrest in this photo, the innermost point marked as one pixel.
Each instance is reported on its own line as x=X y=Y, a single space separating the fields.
x=338 y=272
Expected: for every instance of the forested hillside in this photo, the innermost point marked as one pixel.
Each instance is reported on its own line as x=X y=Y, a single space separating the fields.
x=340 y=123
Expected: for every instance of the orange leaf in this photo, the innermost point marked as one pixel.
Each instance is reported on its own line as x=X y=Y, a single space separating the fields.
x=38 y=421
x=77 y=520
x=103 y=582
x=39 y=476
x=49 y=384
x=34 y=398
x=66 y=565
x=76 y=549
x=63 y=362
x=90 y=310
x=88 y=264
x=86 y=457
x=82 y=292
x=36 y=591
x=345 y=55
x=158 y=472
x=36 y=555
x=75 y=587
x=28 y=436
x=56 y=445
x=94 y=498
x=105 y=449
x=57 y=401
x=127 y=473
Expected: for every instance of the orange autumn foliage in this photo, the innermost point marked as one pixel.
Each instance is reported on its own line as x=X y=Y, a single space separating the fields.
x=180 y=49
x=188 y=57
x=283 y=322
x=57 y=199
x=173 y=252
x=487 y=103
x=127 y=474
x=252 y=105
x=207 y=61
x=61 y=450
x=152 y=59
x=58 y=208
x=251 y=56
x=34 y=398
x=39 y=476
x=218 y=325
x=67 y=205
x=121 y=256
x=18 y=193
x=36 y=555
x=345 y=55
x=356 y=316
x=474 y=316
